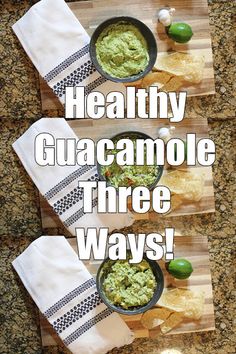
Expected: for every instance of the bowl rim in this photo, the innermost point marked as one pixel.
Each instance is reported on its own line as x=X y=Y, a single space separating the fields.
x=142 y=28
x=140 y=309
x=144 y=135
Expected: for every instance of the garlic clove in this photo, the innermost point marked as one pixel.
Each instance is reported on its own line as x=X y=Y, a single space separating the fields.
x=165 y=133
x=165 y=16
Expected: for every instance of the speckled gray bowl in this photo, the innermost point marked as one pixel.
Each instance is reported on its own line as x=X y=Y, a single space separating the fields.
x=137 y=309
x=147 y=34
x=132 y=135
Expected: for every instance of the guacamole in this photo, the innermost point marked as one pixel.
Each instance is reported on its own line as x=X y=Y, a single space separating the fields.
x=125 y=176
x=129 y=285
x=122 y=50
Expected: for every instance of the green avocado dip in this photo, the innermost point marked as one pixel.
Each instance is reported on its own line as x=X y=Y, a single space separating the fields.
x=129 y=285
x=125 y=176
x=122 y=50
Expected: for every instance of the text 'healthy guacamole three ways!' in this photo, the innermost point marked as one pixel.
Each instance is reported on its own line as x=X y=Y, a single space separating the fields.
x=129 y=285
x=122 y=50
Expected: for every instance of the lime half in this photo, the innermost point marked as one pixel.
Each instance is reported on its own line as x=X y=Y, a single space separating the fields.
x=180 y=32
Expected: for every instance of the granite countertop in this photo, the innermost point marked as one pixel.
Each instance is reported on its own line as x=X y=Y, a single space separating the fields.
x=20 y=220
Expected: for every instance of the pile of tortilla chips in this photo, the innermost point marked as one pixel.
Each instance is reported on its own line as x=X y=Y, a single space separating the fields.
x=174 y=306
x=184 y=186
x=171 y=71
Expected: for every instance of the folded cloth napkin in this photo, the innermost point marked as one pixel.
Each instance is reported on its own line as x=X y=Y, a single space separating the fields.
x=66 y=294
x=58 y=46
x=59 y=184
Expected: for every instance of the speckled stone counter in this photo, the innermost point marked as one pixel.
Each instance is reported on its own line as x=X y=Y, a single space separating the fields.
x=20 y=220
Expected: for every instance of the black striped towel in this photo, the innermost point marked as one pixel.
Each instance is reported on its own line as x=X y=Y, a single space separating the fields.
x=58 y=46
x=59 y=184
x=66 y=294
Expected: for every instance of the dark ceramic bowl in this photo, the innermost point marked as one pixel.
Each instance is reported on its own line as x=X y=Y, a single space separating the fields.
x=138 y=309
x=131 y=135
x=147 y=34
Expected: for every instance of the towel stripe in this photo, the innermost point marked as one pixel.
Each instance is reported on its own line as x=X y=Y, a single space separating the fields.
x=70 y=296
x=77 y=312
x=67 y=62
x=66 y=181
x=78 y=214
x=86 y=326
x=90 y=87
x=74 y=78
x=71 y=198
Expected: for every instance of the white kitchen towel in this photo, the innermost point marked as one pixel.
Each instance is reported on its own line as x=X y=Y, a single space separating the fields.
x=66 y=294
x=59 y=184
x=58 y=46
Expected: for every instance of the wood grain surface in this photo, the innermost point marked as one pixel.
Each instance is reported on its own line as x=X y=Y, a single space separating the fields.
x=194 y=249
x=103 y=128
x=194 y=12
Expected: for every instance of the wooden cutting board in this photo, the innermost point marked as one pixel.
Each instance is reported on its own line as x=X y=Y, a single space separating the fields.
x=103 y=128
x=194 y=249
x=194 y=12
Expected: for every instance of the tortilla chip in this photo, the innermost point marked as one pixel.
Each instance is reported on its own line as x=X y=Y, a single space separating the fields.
x=176 y=201
x=154 y=78
x=158 y=84
x=154 y=317
x=188 y=185
x=173 y=85
x=189 y=66
x=176 y=180
x=194 y=190
x=171 y=322
x=185 y=301
x=195 y=307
